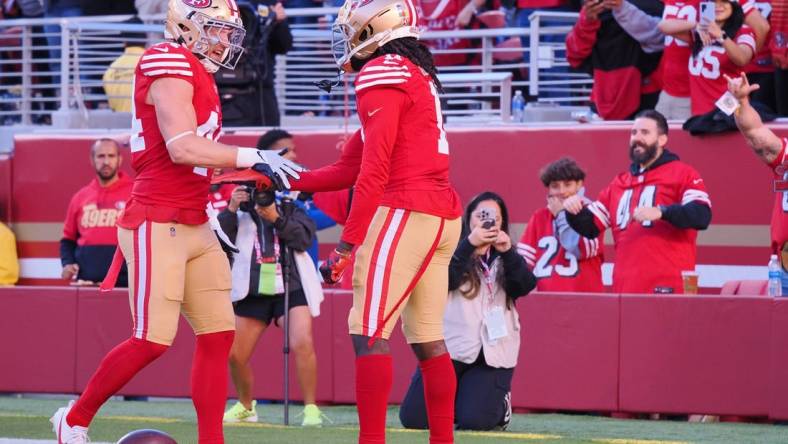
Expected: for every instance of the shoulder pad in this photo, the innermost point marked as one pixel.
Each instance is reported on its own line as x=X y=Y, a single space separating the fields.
x=384 y=71
x=166 y=59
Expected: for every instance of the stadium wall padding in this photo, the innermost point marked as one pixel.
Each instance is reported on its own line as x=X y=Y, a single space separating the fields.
x=581 y=352
x=49 y=168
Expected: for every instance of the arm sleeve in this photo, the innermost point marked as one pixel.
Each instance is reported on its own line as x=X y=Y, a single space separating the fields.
x=580 y=40
x=68 y=249
x=460 y=263
x=518 y=279
x=380 y=132
x=297 y=231
x=693 y=214
x=583 y=223
x=229 y=223
x=567 y=237
x=340 y=175
x=640 y=26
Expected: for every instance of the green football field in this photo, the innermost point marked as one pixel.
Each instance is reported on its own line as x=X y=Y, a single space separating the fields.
x=28 y=418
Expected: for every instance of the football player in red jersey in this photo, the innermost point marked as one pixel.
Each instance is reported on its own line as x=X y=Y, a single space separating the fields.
x=405 y=214
x=773 y=151
x=654 y=211
x=561 y=259
x=175 y=263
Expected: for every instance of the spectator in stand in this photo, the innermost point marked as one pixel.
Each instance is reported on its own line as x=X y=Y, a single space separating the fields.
x=774 y=152
x=89 y=234
x=247 y=93
x=674 y=101
x=619 y=44
x=146 y=8
x=118 y=78
x=560 y=258
x=723 y=46
x=778 y=45
x=447 y=15
x=103 y=7
x=282 y=141
x=761 y=69
x=58 y=9
x=486 y=277
x=654 y=211
x=9 y=263
x=261 y=233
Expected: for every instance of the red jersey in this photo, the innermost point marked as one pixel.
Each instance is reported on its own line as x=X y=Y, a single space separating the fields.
x=779 y=229
x=164 y=191
x=555 y=268
x=400 y=157
x=653 y=253
x=94 y=210
x=706 y=69
x=441 y=15
x=675 y=58
x=541 y=4
x=762 y=60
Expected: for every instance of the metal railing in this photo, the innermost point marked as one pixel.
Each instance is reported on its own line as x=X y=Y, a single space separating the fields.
x=54 y=67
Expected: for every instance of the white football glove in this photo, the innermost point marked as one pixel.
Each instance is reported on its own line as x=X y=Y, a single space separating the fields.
x=281 y=167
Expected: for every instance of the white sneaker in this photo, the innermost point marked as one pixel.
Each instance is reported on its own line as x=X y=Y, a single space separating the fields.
x=65 y=433
x=507 y=411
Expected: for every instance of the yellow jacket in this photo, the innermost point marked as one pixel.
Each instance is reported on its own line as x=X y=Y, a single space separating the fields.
x=9 y=265
x=119 y=77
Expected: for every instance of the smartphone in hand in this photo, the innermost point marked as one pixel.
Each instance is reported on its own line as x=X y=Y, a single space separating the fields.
x=707 y=13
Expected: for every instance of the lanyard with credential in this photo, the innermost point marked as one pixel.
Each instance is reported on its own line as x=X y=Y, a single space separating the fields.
x=488 y=277
x=259 y=251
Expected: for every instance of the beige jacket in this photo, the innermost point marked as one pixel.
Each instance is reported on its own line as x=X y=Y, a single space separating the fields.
x=466 y=334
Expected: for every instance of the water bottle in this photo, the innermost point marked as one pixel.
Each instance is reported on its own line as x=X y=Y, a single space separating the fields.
x=775 y=277
x=518 y=107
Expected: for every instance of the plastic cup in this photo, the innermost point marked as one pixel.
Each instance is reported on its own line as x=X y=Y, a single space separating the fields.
x=690 y=280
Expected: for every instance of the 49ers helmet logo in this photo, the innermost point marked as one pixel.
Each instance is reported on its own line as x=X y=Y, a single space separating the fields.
x=197 y=3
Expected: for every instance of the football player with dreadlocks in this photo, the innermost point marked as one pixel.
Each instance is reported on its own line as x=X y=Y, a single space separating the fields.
x=404 y=217
x=175 y=263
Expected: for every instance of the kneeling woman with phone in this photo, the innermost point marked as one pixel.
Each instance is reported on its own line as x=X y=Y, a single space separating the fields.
x=481 y=325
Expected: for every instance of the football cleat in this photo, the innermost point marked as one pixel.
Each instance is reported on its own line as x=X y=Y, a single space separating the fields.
x=65 y=433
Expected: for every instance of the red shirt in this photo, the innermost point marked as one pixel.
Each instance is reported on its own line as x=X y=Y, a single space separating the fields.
x=555 y=268
x=94 y=210
x=677 y=52
x=540 y=4
x=779 y=229
x=400 y=157
x=653 y=253
x=164 y=191
x=441 y=15
x=706 y=69
x=762 y=60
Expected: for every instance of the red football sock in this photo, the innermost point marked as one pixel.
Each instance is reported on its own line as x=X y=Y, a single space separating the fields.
x=440 y=389
x=209 y=383
x=373 y=384
x=115 y=370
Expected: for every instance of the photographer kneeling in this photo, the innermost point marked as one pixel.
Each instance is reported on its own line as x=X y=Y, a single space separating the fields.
x=263 y=231
x=481 y=325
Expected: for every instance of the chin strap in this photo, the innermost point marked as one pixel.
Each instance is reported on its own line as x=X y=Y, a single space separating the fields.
x=327 y=85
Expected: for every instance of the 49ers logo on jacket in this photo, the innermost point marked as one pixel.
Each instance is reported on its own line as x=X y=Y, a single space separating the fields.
x=197 y=3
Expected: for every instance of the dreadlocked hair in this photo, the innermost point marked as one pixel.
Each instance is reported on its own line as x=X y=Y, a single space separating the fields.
x=409 y=47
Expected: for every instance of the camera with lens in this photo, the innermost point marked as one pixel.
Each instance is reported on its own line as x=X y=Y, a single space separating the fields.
x=257 y=197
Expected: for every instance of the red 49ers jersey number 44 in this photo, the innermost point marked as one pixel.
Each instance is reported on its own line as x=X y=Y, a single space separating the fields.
x=159 y=182
x=650 y=254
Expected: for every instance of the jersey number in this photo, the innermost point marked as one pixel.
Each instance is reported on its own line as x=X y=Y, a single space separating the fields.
x=542 y=269
x=687 y=12
x=624 y=214
x=707 y=63
x=443 y=144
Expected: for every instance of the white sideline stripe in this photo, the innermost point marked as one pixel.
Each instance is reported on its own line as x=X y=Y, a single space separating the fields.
x=163 y=56
x=712 y=276
x=165 y=64
x=157 y=72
